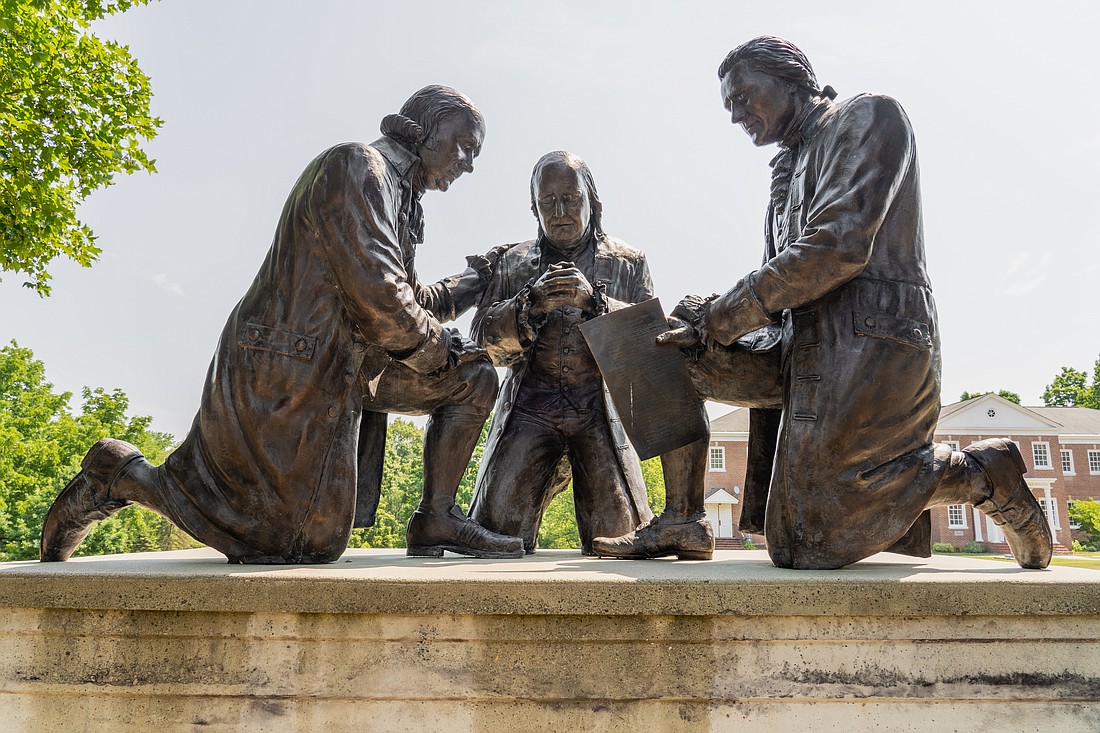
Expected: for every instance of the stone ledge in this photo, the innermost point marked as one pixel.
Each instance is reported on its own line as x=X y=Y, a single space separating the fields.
x=554 y=582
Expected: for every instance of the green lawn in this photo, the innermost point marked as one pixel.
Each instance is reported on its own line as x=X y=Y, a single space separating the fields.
x=1089 y=560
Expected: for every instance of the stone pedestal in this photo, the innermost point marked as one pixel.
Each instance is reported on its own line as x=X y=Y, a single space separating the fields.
x=556 y=642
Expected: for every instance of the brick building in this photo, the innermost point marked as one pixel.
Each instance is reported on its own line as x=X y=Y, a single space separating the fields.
x=1060 y=445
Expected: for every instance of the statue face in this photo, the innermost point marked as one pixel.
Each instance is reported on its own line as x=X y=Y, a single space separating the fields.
x=563 y=205
x=450 y=150
x=762 y=104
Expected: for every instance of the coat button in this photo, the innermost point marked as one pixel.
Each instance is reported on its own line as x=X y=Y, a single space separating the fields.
x=507 y=405
x=359 y=347
x=917 y=333
x=349 y=377
x=869 y=322
x=333 y=412
x=254 y=334
x=565 y=369
x=300 y=345
x=402 y=217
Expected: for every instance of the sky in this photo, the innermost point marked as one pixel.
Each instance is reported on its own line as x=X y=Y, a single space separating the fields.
x=1002 y=97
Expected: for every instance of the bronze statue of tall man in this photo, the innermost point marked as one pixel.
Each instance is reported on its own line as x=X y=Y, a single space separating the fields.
x=335 y=332
x=833 y=342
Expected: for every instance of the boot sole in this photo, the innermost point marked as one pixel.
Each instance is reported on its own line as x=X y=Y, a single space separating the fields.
x=680 y=555
x=437 y=551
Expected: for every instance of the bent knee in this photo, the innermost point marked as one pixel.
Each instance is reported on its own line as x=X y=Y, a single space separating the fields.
x=482 y=379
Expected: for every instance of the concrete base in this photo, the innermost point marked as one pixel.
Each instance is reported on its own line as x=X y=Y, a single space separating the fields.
x=379 y=642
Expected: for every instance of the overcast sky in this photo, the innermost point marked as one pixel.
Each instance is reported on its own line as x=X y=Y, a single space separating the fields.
x=1003 y=100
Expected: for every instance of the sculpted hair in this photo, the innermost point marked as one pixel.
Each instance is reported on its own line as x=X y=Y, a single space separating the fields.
x=779 y=58
x=423 y=112
x=574 y=162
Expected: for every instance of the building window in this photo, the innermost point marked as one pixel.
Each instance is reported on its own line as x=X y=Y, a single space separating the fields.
x=952 y=444
x=1073 y=523
x=1094 y=461
x=1040 y=454
x=1067 y=461
x=956 y=516
x=717 y=458
x=1050 y=508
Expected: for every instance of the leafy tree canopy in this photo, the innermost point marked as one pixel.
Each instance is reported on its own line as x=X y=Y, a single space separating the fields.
x=1087 y=514
x=1003 y=393
x=41 y=445
x=73 y=109
x=1071 y=388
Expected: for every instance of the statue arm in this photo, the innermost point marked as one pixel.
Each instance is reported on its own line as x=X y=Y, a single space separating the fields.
x=862 y=168
x=501 y=324
x=356 y=208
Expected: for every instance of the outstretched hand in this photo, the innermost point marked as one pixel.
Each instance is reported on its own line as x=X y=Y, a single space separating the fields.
x=680 y=333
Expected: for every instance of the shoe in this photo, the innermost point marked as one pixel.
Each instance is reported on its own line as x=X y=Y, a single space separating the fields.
x=429 y=534
x=85 y=500
x=690 y=539
x=1011 y=505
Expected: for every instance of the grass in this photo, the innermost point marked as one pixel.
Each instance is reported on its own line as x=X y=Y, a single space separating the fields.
x=1087 y=560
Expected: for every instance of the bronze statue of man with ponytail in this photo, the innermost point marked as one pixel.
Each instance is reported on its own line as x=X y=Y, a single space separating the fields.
x=833 y=344
x=336 y=331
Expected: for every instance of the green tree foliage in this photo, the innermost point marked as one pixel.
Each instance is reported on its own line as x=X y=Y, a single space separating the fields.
x=73 y=109
x=402 y=485
x=1087 y=514
x=1071 y=389
x=41 y=445
x=403 y=478
x=1002 y=393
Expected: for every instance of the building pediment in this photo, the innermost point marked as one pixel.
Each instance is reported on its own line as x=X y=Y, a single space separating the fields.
x=992 y=415
x=721 y=496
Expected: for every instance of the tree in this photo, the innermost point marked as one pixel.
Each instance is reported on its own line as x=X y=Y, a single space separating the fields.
x=402 y=485
x=1002 y=393
x=41 y=445
x=73 y=109
x=1087 y=514
x=1070 y=388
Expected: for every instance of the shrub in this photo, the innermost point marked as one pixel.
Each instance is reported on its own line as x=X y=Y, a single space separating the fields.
x=974 y=548
x=747 y=544
x=942 y=547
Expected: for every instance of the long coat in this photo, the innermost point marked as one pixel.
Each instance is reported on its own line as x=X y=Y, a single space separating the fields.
x=270 y=469
x=623 y=274
x=845 y=272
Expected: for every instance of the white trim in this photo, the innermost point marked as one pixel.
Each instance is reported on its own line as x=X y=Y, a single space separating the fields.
x=1038 y=446
x=961 y=511
x=719 y=452
x=1079 y=440
x=1094 y=465
x=1064 y=453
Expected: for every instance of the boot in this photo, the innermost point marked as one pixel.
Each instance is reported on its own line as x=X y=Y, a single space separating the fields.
x=1011 y=505
x=430 y=533
x=86 y=499
x=687 y=539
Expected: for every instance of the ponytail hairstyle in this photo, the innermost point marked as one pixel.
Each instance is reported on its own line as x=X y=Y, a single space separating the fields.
x=777 y=57
x=423 y=112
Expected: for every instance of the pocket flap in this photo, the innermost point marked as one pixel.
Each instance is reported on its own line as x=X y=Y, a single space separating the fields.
x=287 y=343
x=888 y=326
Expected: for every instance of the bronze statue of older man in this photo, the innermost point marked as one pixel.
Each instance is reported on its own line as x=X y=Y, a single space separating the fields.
x=335 y=332
x=833 y=342
x=552 y=420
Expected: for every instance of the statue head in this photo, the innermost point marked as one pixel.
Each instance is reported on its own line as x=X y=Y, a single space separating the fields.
x=444 y=128
x=765 y=84
x=564 y=199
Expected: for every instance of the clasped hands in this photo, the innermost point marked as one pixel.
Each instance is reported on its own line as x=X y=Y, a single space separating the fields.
x=562 y=285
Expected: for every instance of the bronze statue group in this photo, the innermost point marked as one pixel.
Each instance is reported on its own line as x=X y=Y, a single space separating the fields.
x=832 y=343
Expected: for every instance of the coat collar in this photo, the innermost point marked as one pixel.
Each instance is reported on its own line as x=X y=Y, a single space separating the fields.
x=403 y=160
x=808 y=123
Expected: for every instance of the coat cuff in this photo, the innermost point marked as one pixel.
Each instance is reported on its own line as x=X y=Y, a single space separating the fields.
x=734 y=314
x=431 y=355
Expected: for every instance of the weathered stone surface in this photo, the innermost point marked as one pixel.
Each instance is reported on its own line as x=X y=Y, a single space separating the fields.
x=182 y=641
